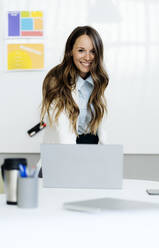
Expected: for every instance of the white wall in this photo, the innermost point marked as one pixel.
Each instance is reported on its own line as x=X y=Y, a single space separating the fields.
x=130 y=32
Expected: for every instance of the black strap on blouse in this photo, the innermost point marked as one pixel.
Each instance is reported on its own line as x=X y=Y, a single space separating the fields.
x=87 y=139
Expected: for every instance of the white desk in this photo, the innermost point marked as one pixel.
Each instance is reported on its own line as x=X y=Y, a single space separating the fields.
x=52 y=226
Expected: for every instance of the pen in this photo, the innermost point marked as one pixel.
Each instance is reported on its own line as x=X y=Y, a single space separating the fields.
x=31 y=132
x=38 y=166
x=22 y=169
x=31 y=171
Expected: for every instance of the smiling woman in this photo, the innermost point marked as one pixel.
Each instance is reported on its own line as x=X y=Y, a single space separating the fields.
x=83 y=54
x=73 y=92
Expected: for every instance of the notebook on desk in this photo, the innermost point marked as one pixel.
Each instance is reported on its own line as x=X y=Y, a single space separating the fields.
x=82 y=166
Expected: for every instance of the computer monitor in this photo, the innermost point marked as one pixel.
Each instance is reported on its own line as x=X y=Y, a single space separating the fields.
x=82 y=166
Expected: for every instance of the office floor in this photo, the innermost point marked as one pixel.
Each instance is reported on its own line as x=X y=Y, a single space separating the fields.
x=136 y=166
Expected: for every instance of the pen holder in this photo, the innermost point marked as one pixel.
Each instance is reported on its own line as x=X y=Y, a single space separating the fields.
x=27 y=194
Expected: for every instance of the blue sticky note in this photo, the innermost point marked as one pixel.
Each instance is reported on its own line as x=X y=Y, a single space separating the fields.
x=26 y=24
x=13 y=24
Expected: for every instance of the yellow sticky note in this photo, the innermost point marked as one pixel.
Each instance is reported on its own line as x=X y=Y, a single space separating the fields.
x=25 y=13
x=36 y=14
x=25 y=56
x=38 y=24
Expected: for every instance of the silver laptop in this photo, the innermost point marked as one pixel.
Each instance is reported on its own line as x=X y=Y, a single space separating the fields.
x=82 y=166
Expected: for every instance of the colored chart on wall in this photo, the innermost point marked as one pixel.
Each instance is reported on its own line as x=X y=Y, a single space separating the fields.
x=25 y=56
x=22 y=24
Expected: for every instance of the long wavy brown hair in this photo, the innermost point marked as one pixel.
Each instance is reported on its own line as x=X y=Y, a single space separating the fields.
x=61 y=81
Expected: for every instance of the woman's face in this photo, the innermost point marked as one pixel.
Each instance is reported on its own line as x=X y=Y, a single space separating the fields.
x=83 y=54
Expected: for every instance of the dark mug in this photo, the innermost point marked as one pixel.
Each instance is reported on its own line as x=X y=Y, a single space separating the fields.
x=10 y=173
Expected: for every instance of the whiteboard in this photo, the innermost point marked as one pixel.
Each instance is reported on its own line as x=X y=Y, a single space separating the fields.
x=130 y=33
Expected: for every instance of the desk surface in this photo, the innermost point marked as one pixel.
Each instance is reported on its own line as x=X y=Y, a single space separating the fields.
x=51 y=226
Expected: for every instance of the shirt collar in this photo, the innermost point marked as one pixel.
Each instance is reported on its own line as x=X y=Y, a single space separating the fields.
x=81 y=81
x=89 y=80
